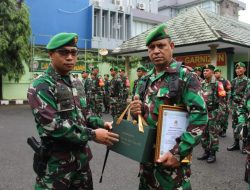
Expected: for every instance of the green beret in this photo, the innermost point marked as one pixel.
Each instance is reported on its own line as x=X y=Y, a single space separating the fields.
x=114 y=69
x=86 y=71
x=198 y=69
x=240 y=64
x=217 y=70
x=62 y=39
x=142 y=69
x=159 y=33
x=95 y=67
x=211 y=67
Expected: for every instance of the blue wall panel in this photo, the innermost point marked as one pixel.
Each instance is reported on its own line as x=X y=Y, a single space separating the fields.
x=49 y=17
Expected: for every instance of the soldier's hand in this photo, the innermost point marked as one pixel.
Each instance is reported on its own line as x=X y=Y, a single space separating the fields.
x=105 y=137
x=108 y=125
x=135 y=106
x=169 y=160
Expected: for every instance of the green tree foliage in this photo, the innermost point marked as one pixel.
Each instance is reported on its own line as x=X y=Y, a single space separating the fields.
x=14 y=38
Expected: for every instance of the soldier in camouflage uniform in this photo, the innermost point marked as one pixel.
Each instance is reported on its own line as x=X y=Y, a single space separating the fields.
x=140 y=71
x=125 y=89
x=227 y=88
x=116 y=87
x=64 y=124
x=198 y=71
x=106 y=98
x=169 y=172
x=213 y=93
x=86 y=82
x=246 y=136
x=97 y=92
x=239 y=110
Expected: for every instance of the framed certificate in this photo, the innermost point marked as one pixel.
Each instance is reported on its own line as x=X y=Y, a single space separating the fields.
x=172 y=122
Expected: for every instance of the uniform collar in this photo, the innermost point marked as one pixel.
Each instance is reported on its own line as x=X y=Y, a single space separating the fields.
x=170 y=68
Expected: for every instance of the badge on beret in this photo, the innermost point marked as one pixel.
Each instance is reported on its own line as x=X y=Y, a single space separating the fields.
x=76 y=40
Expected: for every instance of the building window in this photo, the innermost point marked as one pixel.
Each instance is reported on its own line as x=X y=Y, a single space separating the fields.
x=127 y=28
x=119 y=27
x=97 y=22
x=210 y=6
x=112 y=25
x=104 y=24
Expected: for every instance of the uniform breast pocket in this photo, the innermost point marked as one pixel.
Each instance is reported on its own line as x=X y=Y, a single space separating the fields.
x=163 y=93
x=64 y=98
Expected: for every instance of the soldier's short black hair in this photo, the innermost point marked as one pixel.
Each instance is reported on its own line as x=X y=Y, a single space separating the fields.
x=106 y=75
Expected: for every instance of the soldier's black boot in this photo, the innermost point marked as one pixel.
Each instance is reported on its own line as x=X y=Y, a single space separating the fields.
x=243 y=150
x=204 y=156
x=212 y=157
x=235 y=146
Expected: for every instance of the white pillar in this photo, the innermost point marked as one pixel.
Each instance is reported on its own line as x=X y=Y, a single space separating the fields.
x=213 y=54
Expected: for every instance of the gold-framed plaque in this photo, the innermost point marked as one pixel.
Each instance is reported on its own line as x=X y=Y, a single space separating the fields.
x=172 y=123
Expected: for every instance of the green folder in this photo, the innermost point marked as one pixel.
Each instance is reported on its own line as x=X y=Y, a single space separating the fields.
x=133 y=144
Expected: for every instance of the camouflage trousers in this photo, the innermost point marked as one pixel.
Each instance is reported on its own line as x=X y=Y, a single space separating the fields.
x=89 y=102
x=106 y=102
x=247 y=169
x=210 y=139
x=123 y=102
x=66 y=171
x=239 y=117
x=116 y=106
x=158 y=177
x=224 y=120
x=97 y=104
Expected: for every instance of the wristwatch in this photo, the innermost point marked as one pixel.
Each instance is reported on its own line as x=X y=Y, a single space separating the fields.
x=91 y=134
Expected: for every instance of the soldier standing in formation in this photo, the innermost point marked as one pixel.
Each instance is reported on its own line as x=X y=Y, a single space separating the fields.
x=198 y=71
x=64 y=124
x=140 y=74
x=116 y=87
x=246 y=136
x=125 y=89
x=97 y=92
x=237 y=103
x=106 y=99
x=227 y=88
x=212 y=92
x=86 y=82
x=169 y=172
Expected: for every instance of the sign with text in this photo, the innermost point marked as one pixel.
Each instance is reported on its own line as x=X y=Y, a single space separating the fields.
x=200 y=60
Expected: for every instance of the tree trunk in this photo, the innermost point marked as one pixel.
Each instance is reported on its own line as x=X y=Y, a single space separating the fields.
x=1 y=86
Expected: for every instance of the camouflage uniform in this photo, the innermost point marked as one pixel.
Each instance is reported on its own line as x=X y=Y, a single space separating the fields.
x=156 y=176
x=124 y=93
x=135 y=86
x=215 y=106
x=59 y=107
x=116 y=87
x=225 y=111
x=247 y=173
x=239 y=110
x=87 y=83
x=106 y=99
x=97 y=93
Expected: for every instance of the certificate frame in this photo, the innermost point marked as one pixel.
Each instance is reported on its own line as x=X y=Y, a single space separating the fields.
x=167 y=112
